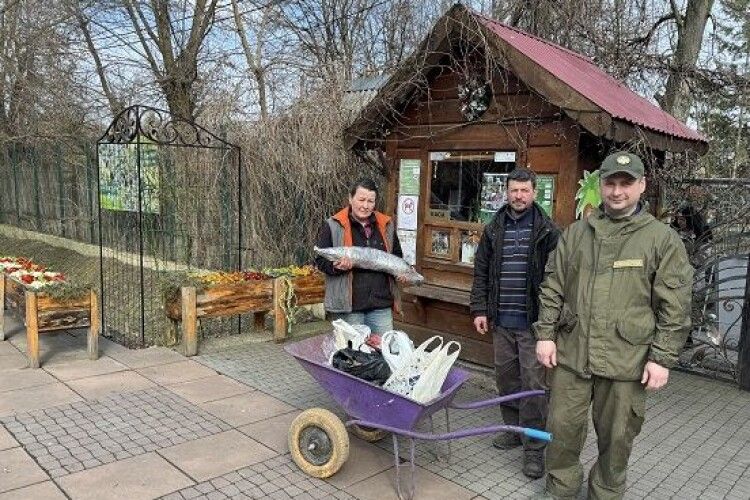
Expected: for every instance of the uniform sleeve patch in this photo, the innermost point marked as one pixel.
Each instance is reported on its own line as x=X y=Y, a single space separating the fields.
x=619 y=264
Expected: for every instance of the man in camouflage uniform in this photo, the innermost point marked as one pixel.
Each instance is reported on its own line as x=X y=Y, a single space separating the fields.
x=615 y=310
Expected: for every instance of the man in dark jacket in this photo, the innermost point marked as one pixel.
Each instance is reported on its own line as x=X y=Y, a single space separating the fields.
x=508 y=271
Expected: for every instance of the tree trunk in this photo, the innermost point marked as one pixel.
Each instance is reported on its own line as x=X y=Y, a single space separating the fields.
x=690 y=29
x=254 y=63
x=115 y=105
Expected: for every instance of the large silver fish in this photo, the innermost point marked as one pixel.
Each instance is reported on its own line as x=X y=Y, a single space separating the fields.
x=374 y=260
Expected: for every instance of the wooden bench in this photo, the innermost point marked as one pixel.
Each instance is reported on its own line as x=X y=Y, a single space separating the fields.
x=257 y=297
x=42 y=313
x=435 y=292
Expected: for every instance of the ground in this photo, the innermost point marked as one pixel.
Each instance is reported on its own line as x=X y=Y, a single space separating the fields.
x=153 y=424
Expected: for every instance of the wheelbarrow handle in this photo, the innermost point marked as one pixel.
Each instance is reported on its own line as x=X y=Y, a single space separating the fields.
x=537 y=434
x=476 y=431
x=496 y=401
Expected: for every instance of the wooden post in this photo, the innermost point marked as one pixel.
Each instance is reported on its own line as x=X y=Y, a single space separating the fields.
x=93 y=337
x=32 y=330
x=279 y=317
x=189 y=320
x=2 y=305
x=259 y=320
x=743 y=356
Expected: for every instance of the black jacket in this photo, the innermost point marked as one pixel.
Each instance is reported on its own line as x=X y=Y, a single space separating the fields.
x=488 y=258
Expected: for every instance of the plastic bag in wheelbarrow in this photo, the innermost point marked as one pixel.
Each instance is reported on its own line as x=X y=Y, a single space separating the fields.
x=368 y=366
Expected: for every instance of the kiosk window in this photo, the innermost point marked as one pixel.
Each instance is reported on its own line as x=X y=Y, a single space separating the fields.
x=468 y=187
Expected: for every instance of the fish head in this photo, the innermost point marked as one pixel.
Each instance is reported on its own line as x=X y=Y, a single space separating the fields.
x=331 y=253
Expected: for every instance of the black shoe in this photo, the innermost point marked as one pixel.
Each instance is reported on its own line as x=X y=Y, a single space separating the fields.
x=533 y=464
x=506 y=441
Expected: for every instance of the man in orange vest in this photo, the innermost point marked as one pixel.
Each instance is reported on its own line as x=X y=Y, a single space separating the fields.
x=360 y=296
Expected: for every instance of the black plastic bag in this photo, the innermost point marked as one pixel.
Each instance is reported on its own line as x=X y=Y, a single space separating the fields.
x=367 y=366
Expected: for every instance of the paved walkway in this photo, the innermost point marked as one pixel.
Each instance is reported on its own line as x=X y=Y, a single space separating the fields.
x=153 y=424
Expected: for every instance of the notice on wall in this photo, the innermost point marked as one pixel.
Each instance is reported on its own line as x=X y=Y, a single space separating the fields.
x=118 y=177
x=408 y=240
x=408 y=179
x=505 y=156
x=406 y=213
x=545 y=192
x=494 y=195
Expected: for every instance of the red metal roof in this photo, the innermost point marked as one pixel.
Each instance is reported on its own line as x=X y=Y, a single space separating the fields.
x=581 y=74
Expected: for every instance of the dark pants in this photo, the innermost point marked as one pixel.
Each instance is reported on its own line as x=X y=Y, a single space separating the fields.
x=516 y=369
x=617 y=411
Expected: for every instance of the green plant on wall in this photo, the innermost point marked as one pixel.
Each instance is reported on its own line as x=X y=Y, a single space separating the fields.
x=588 y=193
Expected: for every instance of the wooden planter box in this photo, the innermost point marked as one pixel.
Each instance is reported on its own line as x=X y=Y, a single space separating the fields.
x=257 y=297
x=42 y=313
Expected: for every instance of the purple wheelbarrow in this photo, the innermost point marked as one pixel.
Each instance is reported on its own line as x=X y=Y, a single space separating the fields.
x=318 y=440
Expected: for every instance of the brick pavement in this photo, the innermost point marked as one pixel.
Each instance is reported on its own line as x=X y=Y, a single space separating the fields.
x=151 y=424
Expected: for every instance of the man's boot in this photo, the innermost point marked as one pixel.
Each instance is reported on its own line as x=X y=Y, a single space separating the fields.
x=506 y=441
x=533 y=464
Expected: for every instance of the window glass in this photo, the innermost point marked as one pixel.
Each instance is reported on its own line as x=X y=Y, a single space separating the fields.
x=468 y=186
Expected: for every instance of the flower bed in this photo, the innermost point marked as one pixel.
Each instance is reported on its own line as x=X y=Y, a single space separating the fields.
x=192 y=296
x=46 y=302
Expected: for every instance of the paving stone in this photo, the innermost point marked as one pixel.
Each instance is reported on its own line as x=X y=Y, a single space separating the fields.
x=18 y=469
x=176 y=373
x=124 y=417
x=209 y=389
x=7 y=440
x=146 y=476
x=215 y=455
x=82 y=368
x=40 y=491
x=103 y=385
x=247 y=408
x=141 y=358
x=37 y=397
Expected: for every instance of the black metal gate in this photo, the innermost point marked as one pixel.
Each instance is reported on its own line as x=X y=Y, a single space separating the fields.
x=169 y=200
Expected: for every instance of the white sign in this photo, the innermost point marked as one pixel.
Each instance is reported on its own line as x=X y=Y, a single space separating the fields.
x=408 y=240
x=439 y=155
x=505 y=156
x=407 y=212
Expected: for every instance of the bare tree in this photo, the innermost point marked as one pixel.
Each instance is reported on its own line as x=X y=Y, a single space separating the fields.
x=83 y=22
x=690 y=28
x=36 y=70
x=254 y=56
x=170 y=52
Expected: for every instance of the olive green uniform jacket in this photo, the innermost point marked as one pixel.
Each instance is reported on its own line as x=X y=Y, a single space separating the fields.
x=616 y=294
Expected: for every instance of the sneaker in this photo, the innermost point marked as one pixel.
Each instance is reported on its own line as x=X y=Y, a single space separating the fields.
x=506 y=441
x=533 y=464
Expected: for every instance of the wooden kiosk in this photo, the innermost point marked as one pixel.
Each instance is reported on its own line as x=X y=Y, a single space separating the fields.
x=477 y=99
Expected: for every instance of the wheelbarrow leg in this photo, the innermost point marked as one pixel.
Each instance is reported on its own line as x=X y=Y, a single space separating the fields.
x=436 y=446
x=410 y=486
x=448 y=430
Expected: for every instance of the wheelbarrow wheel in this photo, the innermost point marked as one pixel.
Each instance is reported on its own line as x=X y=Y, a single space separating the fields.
x=318 y=442
x=369 y=434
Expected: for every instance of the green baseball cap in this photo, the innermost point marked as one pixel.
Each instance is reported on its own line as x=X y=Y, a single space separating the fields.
x=621 y=161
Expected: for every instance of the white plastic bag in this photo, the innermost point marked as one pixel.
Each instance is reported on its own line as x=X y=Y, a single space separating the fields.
x=428 y=386
x=402 y=380
x=353 y=336
x=397 y=349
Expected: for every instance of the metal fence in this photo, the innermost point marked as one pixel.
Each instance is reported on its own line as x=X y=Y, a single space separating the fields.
x=50 y=187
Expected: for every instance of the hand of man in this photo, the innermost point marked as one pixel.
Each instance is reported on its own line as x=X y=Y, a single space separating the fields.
x=480 y=323
x=546 y=353
x=402 y=279
x=343 y=264
x=655 y=376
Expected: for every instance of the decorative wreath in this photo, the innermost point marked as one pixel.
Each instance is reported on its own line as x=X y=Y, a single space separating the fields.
x=474 y=97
